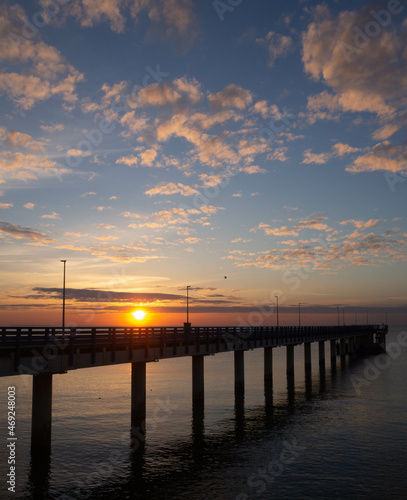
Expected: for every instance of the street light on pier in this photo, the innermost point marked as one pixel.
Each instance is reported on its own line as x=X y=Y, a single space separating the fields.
x=188 y=287
x=299 y=313
x=276 y=296
x=63 y=298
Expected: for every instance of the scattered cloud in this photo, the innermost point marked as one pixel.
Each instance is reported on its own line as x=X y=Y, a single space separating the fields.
x=277 y=45
x=20 y=232
x=168 y=188
x=53 y=215
x=56 y=127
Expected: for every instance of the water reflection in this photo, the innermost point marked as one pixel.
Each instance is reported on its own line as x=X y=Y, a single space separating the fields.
x=39 y=476
x=173 y=468
x=308 y=385
x=240 y=422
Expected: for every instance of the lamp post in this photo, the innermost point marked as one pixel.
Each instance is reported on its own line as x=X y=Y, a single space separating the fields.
x=63 y=298
x=188 y=287
x=278 y=324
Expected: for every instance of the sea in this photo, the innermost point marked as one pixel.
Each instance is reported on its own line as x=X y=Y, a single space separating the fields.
x=330 y=434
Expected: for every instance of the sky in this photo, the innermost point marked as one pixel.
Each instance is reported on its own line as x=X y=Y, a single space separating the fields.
x=247 y=149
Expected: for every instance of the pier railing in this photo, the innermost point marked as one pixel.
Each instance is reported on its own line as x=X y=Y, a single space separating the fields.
x=165 y=341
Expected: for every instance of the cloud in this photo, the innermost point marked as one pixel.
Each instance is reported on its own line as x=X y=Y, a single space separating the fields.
x=359 y=224
x=277 y=45
x=96 y=295
x=353 y=250
x=167 y=17
x=53 y=215
x=147 y=157
x=313 y=223
x=190 y=119
x=78 y=152
x=383 y=156
x=370 y=79
x=316 y=222
x=179 y=220
x=171 y=16
x=29 y=206
x=386 y=131
x=168 y=188
x=277 y=231
x=158 y=94
x=6 y=205
x=89 y=193
x=45 y=72
x=319 y=159
x=26 y=166
x=133 y=123
x=90 y=12
x=15 y=140
x=211 y=180
x=253 y=169
x=231 y=96
x=279 y=154
x=19 y=232
x=344 y=149
x=265 y=110
x=130 y=161
x=56 y=127
x=338 y=150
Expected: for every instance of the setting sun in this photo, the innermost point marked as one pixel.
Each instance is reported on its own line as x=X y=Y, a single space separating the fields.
x=139 y=314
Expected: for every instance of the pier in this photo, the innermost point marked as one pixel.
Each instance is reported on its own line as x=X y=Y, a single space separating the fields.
x=44 y=351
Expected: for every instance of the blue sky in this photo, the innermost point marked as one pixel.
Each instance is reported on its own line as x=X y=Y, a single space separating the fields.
x=165 y=143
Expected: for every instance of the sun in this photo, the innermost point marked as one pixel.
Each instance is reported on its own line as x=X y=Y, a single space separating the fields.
x=139 y=314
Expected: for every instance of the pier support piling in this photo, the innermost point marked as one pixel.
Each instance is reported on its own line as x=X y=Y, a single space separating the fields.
x=268 y=365
x=138 y=396
x=343 y=347
x=321 y=352
x=198 y=379
x=239 y=371
x=41 y=414
x=332 y=344
x=351 y=346
x=290 y=360
x=307 y=356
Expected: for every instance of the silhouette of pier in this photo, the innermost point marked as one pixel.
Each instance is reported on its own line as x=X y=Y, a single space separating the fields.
x=44 y=351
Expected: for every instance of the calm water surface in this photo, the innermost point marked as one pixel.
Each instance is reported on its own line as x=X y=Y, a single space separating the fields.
x=332 y=435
